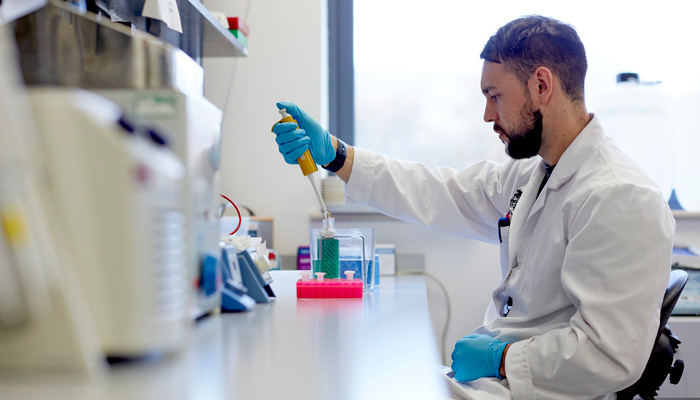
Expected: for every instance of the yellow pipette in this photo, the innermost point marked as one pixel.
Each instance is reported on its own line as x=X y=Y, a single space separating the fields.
x=307 y=164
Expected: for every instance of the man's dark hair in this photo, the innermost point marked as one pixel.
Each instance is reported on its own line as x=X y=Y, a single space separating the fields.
x=534 y=41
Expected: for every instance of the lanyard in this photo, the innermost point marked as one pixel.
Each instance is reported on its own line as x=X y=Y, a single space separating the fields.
x=505 y=220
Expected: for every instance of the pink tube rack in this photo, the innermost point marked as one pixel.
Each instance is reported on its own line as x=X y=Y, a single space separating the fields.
x=335 y=288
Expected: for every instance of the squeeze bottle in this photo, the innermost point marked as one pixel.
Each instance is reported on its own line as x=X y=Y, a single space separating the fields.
x=307 y=164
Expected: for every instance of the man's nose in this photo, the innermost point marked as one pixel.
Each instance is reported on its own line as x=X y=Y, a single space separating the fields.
x=490 y=114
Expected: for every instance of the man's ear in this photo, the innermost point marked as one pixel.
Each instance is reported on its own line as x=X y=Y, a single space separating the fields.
x=545 y=83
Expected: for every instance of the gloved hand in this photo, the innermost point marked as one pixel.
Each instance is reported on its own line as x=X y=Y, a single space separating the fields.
x=477 y=356
x=293 y=142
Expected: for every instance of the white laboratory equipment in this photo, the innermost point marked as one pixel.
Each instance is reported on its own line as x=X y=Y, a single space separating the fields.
x=119 y=204
x=638 y=116
x=195 y=136
x=156 y=84
x=687 y=144
x=45 y=324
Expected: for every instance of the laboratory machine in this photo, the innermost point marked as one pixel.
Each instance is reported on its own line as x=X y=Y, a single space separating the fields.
x=250 y=257
x=119 y=206
x=256 y=281
x=45 y=324
x=158 y=86
x=234 y=296
x=194 y=124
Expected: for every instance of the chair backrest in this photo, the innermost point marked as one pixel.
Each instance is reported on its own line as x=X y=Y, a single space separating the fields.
x=676 y=283
x=661 y=358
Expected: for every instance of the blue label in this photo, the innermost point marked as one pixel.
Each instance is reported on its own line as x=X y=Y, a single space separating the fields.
x=376 y=270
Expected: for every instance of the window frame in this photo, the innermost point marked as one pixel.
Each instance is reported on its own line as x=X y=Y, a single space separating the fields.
x=341 y=70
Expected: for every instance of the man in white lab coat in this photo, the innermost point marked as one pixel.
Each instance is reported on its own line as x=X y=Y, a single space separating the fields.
x=585 y=235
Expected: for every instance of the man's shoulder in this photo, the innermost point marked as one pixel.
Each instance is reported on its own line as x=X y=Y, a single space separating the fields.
x=611 y=177
x=609 y=165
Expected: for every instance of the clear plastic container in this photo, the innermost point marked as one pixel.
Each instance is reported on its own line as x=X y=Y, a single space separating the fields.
x=639 y=118
x=355 y=252
x=688 y=141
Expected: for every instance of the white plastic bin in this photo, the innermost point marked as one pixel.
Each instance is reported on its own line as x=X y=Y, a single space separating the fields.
x=687 y=168
x=639 y=118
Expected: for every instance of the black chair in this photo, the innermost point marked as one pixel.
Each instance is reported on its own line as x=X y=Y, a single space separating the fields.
x=660 y=362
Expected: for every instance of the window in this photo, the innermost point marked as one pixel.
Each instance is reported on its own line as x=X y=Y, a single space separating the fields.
x=417 y=67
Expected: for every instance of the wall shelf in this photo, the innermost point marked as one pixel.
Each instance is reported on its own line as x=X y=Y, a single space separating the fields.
x=678 y=214
x=202 y=34
x=217 y=41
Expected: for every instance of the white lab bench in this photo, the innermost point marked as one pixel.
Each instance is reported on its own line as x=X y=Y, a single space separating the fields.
x=378 y=347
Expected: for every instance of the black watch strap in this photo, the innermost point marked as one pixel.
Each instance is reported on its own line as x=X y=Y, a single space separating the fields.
x=341 y=154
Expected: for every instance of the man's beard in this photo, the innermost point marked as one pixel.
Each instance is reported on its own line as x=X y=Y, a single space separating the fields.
x=524 y=142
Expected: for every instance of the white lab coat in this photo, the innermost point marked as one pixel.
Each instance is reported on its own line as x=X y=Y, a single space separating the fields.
x=586 y=263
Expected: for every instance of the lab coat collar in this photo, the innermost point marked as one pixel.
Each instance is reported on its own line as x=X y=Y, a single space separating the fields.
x=590 y=138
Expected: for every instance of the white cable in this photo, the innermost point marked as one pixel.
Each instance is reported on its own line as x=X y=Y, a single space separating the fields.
x=447 y=299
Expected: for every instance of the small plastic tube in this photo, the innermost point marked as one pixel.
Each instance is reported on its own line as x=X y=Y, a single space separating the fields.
x=304 y=276
x=319 y=276
x=349 y=275
x=328 y=227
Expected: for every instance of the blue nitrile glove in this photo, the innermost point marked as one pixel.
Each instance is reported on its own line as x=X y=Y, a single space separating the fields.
x=477 y=356
x=293 y=142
